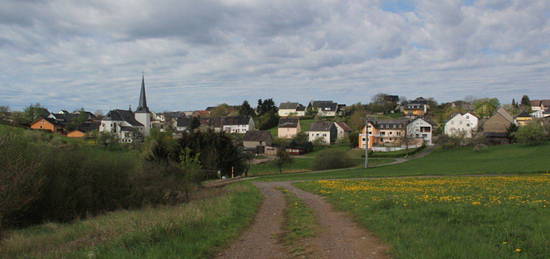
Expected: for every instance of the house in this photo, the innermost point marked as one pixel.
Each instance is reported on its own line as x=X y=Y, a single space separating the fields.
x=237 y=124
x=342 y=130
x=257 y=140
x=323 y=131
x=288 y=127
x=83 y=130
x=325 y=108
x=385 y=132
x=420 y=129
x=182 y=124
x=540 y=105
x=126 y=125
x=415 y=108
x=541 y=113
x=462 y=124
x=523 y=119
x=48 y=124
x=495 y=129
x=292 y=109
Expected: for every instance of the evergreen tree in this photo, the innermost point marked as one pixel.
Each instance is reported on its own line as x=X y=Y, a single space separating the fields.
x=246 y=110
x=525 y=100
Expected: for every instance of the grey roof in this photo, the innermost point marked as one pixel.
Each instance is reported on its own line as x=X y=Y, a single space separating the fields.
x=321 y=126
x=343 y=125
x=324 y=105
x=288 y=122
x=123 y=115
x=524 y=114
x=236 y=120
x=505 y=114
x=257 y=135
x=290 y=105
x=388 y=123
x=88 y=126
x=142 y=98
x=183 y=122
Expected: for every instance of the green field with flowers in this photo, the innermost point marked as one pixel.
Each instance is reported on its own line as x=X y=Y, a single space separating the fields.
x=449 y=217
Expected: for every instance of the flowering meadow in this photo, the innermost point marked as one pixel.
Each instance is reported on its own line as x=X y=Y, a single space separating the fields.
x=450 y=217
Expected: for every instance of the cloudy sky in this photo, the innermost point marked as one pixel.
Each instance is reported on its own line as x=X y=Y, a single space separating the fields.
x=71 y=54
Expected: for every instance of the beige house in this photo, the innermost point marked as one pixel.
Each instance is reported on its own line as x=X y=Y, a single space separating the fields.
x=383 y=133
x=292 y=109
x=288 y=128
x=257 y=140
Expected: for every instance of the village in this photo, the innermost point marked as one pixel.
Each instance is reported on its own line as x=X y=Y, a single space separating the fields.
x=393 y=124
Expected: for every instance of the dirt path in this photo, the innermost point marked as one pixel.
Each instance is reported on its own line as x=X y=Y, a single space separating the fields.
x=261 y=239
x=339 y=236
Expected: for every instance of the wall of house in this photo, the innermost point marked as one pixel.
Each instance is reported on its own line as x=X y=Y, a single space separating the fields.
x=324 y=135
x=241 y=129
x=43 y=124
x=145 y=119
x=461 y=124
x=420 y=129
x=291 y=112
x=287 y=132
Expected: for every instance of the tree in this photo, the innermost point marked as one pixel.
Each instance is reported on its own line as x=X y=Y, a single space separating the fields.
x=160 y=147
x=75 y=122
x=283 y=158
x=357 y=119
x=32 y=113
x=268 y=120
x=486 y=107
x=266 y=106
x=191 y=170
x=220 y=110
x=525 y=104
x=195 y=123
x=530 y=134
x=331 y=159
x=246 y=110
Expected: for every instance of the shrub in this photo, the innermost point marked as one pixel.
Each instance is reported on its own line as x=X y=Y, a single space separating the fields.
x=332 y=159
x=530 y=134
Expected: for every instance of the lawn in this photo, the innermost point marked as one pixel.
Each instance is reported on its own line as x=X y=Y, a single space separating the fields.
x=449 y=217
x=304 y=163
x=194 y=230
x=503 y=159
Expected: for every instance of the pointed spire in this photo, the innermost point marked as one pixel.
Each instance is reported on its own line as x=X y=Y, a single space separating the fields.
x=142 y=98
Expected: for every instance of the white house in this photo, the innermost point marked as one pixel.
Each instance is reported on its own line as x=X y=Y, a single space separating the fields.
x=466 y=124
x=342 y=130
x=129 y=126
x=292 y=109
x=420 y=129
x=238 y=124
x=324 y=131
x=182 y=124
x=324 y=108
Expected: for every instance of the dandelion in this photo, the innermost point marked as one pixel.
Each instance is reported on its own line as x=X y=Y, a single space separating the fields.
x=518 y=250
x=476 y=203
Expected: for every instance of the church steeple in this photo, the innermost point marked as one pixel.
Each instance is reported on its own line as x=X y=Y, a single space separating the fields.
x=142 y=98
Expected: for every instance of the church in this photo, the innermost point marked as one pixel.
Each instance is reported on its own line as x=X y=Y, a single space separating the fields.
x=126 y=125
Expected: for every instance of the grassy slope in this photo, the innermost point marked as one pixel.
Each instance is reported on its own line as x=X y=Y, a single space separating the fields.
x=455 y=217
x=497 y=159
x=193 y=230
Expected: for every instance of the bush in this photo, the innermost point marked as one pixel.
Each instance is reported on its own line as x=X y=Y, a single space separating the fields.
x=530 y=134
x=332 y=159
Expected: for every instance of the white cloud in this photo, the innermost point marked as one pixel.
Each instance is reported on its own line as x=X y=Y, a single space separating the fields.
x=199 y=53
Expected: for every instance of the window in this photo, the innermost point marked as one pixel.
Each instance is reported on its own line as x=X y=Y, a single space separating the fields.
x=324 y=135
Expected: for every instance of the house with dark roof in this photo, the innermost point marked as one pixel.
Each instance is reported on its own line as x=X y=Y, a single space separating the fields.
x=126 y=125
x=237 y=124
x=415 y=108
x=325 y=108
x=48 y=124
x=540 y=105
x=288 y=127
x=292 y=109
x=523 y=119
x=322 y=131
x=257 y=140
x=342 y=130
x=383 y=132
x=182 y=124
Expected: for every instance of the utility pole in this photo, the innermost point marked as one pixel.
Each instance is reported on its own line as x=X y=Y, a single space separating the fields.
x=366 y=143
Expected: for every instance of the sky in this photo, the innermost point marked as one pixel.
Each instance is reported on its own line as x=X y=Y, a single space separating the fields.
x=68 y=54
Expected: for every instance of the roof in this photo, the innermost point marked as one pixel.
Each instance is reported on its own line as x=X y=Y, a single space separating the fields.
x=50 y=120
x=142 y=98
x=325 y=105
x=321 y=126
x=288 y=122
x=292 y=106
x=257 y=135
x=545 y=102
x=388 y=123
x=88 y=126
x=183 y=122
x=343 y=125
x=505 y=114
x=524 y=114
x=123 y=115
x=236 y=120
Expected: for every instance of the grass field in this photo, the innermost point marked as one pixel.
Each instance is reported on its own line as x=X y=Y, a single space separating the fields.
x=450 y=217
x=503 y=159
x=194 y=230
